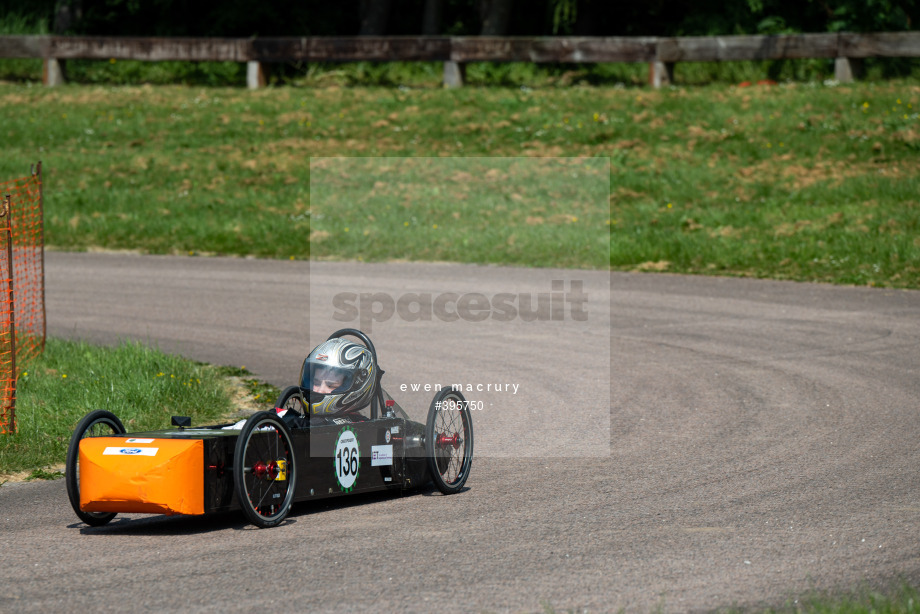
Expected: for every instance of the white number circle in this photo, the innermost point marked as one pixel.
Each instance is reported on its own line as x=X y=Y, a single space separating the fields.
x=347 y=459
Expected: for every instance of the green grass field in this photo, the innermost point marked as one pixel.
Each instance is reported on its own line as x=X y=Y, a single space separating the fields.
x=801 y=181
x=140 y=385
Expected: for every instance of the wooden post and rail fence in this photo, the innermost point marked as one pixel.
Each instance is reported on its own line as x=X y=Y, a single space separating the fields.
x=660 y=53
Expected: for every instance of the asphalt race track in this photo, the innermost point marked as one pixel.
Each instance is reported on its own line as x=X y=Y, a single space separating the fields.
x=695 y=443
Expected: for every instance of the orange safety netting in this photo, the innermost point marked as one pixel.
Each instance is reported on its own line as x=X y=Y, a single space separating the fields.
x=22 y=285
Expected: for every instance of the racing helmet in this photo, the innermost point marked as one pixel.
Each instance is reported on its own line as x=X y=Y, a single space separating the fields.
x=338 y=376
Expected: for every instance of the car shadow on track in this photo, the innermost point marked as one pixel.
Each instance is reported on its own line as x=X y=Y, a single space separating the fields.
x=160 y=524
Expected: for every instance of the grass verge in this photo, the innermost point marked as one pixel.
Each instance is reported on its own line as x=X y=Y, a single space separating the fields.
x=814 y=182
x=900 y=599
x=140 y=385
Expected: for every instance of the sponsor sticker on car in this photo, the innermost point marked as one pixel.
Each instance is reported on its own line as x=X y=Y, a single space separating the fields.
x=381 y=455
x=129 y=451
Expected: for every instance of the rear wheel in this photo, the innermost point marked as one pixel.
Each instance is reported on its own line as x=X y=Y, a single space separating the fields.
x=264 y=470
x=449 y=441
x=292 y=398
x=98 y=423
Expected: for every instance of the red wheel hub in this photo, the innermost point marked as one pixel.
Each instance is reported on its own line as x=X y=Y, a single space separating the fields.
x=266 y=471
x=448 y=440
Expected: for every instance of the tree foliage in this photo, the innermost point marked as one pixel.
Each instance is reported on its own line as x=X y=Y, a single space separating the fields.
x=236 y=18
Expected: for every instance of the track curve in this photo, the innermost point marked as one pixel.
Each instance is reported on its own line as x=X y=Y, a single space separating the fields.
x=764 y=440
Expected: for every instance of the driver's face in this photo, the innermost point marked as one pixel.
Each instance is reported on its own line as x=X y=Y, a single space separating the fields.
x=325 y=381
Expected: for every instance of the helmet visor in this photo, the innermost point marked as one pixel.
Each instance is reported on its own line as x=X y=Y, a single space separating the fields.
x=325 y=379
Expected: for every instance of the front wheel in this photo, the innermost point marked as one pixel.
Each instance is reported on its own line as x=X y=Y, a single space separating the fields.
x=98 y=423
x=449 y=440
x=264 y=470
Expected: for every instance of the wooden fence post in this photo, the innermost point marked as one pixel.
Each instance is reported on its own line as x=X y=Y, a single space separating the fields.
x=454 y=74
x=52 y=74
x=255 y=75
x=847 y=70
x=660 y=74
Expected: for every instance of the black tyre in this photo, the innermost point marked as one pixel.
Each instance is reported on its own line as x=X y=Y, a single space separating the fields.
x=264 y=470
x=292 y=398
x=449 y=441
x=98 y=423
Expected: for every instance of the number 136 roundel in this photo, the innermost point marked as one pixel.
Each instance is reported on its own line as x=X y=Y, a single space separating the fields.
x=347 y=458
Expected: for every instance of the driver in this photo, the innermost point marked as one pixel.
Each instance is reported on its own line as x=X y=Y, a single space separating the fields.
x=327 y=379
x=338 y=377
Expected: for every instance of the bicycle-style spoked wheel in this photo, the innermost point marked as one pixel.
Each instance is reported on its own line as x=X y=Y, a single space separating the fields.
x=264 y=470
x=98 y=423
x=449 y=440
x=292 y=398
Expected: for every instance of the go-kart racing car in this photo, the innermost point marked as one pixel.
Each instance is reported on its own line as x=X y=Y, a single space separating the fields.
x=272 y=459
